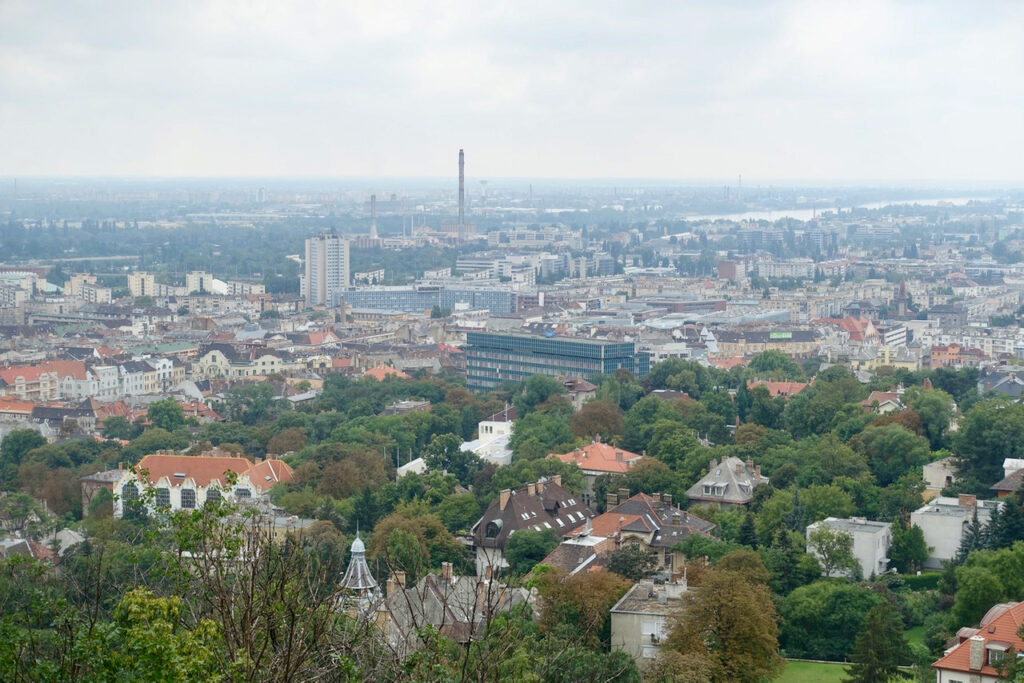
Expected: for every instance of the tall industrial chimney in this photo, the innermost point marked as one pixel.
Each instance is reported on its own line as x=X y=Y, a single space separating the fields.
x=462 y=194
x=373 y=216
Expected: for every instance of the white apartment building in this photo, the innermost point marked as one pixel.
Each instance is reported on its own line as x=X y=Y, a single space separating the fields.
x=141 y=284
x=327 y=269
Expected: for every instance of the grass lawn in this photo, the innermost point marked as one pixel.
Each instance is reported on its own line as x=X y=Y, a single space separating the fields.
x=812 y=672
x=915 y=635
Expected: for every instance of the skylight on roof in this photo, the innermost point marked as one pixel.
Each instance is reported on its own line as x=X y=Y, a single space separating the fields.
x=179 y=475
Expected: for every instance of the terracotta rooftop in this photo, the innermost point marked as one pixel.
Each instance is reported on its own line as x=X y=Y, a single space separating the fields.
x=600 y=457
x=200 y=468
x=999 y=629
x=779 y=388
x=381 y=372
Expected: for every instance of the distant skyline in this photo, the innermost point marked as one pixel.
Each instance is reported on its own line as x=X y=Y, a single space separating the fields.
x=820 y=92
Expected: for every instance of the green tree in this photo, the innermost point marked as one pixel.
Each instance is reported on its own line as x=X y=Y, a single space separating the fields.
x=834 y=550
x=117 y=427
x=909 y=550
x=1005 y=525
x=822 y=620
x=891 y=451
x=632 y=561
x=748 y=532
x=527 y=547
x=731 y=624
x=990 y=432
x=17 y=443
x=977 y=589
x=535 y=391
x=166 y=414
x=935 y=409
x=776 y=365
x=540 y=433
x=599 y=419
x=880 y=647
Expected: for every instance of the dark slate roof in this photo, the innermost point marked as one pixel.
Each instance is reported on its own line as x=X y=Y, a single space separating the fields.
x=549 y=507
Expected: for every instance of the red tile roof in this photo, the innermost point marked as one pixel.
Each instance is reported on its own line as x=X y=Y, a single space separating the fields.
x=381 y=372
x=265 y=474
x=1000 y=625
x=600 y=457
x=201 y=468
x=779 y=388
x=13 y=407
x=609 y=523
x=727 y=363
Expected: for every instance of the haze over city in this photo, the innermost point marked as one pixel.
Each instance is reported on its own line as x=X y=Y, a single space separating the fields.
x=511 y=341
x=810 y=91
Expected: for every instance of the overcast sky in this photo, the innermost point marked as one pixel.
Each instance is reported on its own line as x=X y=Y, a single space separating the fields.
x=791 y=90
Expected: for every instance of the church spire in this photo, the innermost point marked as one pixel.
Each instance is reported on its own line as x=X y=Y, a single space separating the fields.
x=357 y=576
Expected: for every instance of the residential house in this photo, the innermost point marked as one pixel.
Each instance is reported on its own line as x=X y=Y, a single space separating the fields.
x=884 y=402
x=730 y=482
x=779 y=389
x=943 y=521
x=642 y=618
x=493 y=435
x=940 y=474
x=979 y=652
x=459 y=607
x=229 y=361
x=955 y=356
x=652 y=521
x=1013 y=477
x=871 y=541
x=32 y=383
x=1005 y=380
x=92 y=483
x=596 y=459
x=540 y=505
x=578 y=390
x=187 y=481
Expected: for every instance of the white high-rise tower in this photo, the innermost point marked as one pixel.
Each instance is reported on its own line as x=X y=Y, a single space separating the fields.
x=327 y=269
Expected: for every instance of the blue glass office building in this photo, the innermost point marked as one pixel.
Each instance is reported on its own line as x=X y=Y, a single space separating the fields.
x=495 y=358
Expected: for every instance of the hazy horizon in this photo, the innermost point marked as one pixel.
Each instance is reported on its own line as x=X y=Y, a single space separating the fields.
x=908 y=94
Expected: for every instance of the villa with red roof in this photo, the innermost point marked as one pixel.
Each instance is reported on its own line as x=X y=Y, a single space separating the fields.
x=185 y=482
x=776 y=389
x=598 y=458
x=979 y=651
x=382 y=372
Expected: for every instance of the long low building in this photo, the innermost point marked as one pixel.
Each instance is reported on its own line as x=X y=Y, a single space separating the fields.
x=512 y=357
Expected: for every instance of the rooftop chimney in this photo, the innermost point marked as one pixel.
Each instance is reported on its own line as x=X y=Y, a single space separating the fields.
x=446 y=571
x=531 y=488
x=667 y=497
x=373 y=216
x=611 y=500
x=623 y=494
x=976 y=659
x=968 y=501
x=503 y=498
x=557 y=480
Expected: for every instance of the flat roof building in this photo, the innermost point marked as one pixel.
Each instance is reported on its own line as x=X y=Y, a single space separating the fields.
x=495 y=358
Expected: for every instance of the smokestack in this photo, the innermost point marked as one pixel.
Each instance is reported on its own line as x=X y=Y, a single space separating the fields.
x=373 y=216
x=462 y=193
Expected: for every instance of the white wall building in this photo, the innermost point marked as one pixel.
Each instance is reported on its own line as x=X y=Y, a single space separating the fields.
x=327 y=269
x=871 y=541
x=943 y=521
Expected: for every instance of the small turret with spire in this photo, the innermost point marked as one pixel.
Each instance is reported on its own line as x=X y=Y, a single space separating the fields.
x=357 y=576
